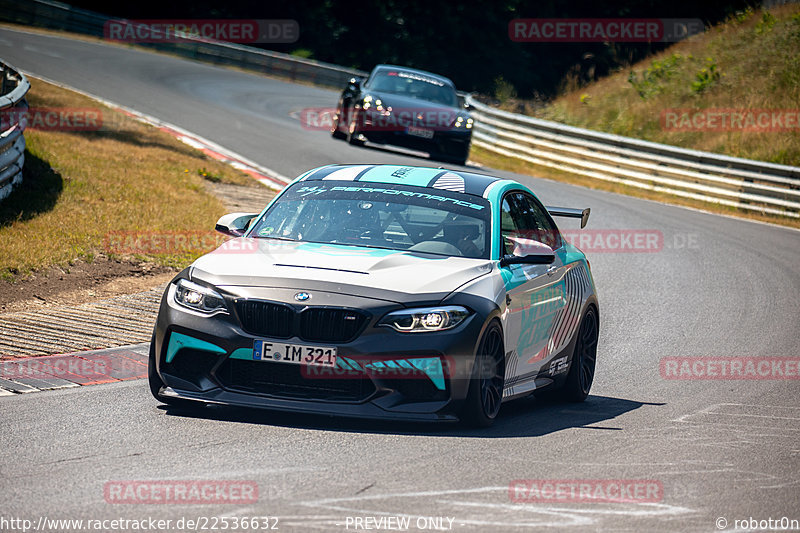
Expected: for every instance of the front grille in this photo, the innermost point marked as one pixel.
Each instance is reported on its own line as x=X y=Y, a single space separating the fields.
x=292 y=381
x=314 y=324
x=266 y=318
x=330 y=325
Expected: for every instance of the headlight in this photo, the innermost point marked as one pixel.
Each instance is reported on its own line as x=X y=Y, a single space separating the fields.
x=199 y=298
x=425 y=319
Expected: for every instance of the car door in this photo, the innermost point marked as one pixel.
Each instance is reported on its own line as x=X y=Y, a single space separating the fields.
x=534 y=293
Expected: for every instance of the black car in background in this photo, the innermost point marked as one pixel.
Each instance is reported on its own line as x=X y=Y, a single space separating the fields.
x=405 y=107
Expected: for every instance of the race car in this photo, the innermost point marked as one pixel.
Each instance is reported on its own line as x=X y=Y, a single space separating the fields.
x=405 y=107
x=383 y=291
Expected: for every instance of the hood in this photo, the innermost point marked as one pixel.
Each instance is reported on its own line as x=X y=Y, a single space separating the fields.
x=391 y=275
x=405 y=102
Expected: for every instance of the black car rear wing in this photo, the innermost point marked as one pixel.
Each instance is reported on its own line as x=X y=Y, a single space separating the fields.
x=570 y=212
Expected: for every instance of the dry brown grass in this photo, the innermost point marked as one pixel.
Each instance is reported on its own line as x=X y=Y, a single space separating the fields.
x=758 y=57
x=79 y=186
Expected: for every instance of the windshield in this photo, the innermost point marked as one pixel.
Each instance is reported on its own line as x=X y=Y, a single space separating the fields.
x=414 y=85
x=395 y=217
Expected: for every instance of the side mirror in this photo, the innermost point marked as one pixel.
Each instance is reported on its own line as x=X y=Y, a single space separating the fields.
x=530 y=259
x=528 y=252
x=234 y=224
x=355 y=84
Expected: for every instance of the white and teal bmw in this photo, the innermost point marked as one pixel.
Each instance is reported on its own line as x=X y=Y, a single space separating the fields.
x=387 y=292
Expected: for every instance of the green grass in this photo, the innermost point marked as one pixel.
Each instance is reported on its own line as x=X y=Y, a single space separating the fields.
x=752 y=61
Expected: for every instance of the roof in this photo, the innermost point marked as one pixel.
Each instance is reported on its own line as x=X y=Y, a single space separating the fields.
x=435 y=178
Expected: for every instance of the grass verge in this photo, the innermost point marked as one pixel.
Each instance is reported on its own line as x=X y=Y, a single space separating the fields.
x=80 y=187
x=750 y=62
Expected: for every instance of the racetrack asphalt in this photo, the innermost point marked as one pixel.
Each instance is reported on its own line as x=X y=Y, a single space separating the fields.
x=718 y=286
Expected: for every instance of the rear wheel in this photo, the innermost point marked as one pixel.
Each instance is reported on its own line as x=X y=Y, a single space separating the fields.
x=584 y=358
x=486 y=384
x=460 y=160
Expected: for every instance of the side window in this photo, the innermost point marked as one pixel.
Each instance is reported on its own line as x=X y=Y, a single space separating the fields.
x=523 y=221
x=538 y=222
x=509 y=220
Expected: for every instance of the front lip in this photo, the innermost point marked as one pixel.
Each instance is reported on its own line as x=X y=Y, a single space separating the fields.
x=373 y=343
x=362 y=411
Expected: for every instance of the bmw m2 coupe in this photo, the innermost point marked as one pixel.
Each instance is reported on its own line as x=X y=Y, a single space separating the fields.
x=387 y=292
x=405 y=107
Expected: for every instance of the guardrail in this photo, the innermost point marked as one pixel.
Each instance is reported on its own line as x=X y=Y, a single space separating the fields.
x=735 y=182
x=13 y=87
x=56 y=15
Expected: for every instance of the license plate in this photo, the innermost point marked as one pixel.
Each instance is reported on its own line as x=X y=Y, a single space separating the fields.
x=299 y=354
x=420 y=132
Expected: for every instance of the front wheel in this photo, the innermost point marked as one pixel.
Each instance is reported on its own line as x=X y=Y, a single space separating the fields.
x=353 y=135
x=488 y=377
x=335 y=133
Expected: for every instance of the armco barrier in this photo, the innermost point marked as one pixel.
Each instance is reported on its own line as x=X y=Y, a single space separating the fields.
x=13 y=88
x=730 y=181
x=735 y=182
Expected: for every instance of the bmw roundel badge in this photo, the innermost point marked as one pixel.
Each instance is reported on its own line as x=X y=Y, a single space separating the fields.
x=302 y=296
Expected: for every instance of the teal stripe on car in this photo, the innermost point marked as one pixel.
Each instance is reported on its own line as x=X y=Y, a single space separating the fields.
x=430 y=366
x=414 y=176
x=179 y=341
x=242 y=353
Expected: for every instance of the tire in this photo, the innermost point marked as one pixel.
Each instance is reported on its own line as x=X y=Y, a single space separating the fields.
x=486 y=384
x=352 y=130
x=155 y=383
x=581 y=369
x=460 y=160
x=335 y=133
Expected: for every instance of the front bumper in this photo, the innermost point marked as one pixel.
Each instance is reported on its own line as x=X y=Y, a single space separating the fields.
x=382 y=373
x=453 y=142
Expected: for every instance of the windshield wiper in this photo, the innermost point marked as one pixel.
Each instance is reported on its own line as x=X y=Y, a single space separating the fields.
x=276 y=238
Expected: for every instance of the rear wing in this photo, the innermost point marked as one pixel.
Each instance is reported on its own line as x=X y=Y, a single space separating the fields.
x=570 y=212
